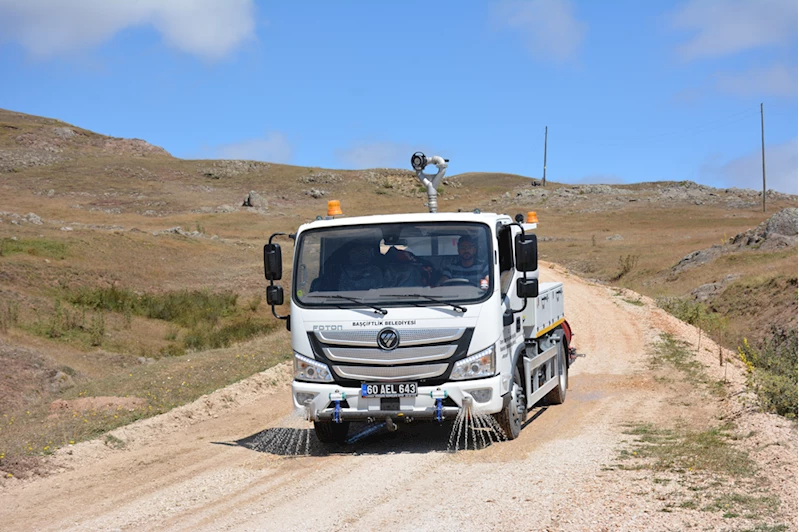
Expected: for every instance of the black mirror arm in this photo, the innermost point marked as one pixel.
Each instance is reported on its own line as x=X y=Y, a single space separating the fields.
x=275 y=314
x=279 y=234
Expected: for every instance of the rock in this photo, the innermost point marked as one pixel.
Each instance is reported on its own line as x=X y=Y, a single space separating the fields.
x=61 y=381
x=314 y=193
x=783 y=223
x=66 y=228
x=255 y=200
x=708 y=291
x=321 y=177
x=226 y=209
x=64 y=132
x=32 y=218
x=50 y=193
x=614 y=237
x=697 y=258
x=779 y=231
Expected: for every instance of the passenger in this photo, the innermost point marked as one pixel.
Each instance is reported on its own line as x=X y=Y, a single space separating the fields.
x=466 y=265
x=360 y=272
x=406 y=269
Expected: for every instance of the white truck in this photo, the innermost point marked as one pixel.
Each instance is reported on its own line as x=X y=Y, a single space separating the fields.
x=404 y=317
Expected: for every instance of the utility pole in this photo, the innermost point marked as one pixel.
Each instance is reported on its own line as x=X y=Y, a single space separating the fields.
x=762 y=153
x=546 y=130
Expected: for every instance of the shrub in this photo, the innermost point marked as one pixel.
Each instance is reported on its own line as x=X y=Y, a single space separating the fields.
x=226 y=335
x=772 y=371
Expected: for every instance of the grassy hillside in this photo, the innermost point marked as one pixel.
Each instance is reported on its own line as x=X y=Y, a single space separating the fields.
x=102 y=239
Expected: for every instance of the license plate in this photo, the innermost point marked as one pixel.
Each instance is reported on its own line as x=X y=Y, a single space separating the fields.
x=389 y=389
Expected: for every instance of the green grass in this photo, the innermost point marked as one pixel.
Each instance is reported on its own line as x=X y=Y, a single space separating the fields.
x=742 y=503
x=718 y=476
x=680 y=356
x=228 y=334
x=685 y=450
x=200 y=319
x=38 y=247
x=188 y=308
x=767 y=528
x=71 y=325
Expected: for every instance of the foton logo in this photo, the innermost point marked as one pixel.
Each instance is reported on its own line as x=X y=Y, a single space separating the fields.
x=328 y=327
x=388 y=339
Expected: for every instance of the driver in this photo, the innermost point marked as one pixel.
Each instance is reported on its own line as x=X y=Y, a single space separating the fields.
x=466 y=265
x=360 y=272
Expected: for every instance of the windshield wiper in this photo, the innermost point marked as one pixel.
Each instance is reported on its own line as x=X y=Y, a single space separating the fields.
x=354 y=300
x=431 y=298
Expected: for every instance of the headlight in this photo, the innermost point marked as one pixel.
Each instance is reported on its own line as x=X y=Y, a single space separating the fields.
x=306 y=369
x=478 y=365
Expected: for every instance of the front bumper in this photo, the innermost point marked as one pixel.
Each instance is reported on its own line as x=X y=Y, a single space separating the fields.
x=423 y=406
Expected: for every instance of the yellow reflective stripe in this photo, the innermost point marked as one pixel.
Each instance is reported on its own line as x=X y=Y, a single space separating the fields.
x=547 y=329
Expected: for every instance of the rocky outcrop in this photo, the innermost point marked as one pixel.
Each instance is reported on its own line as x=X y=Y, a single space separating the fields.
x=779 y=231
x=255 y=201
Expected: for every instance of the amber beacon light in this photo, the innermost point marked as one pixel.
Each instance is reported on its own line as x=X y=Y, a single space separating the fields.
x=532 y=217
x=334 y=208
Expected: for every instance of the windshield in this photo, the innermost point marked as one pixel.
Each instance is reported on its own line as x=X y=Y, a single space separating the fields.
x=419 y=264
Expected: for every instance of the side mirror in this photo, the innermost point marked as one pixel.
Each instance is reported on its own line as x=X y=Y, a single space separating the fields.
x=273 y=262
x=274 y=295
x=526 y=288
x=526 y=253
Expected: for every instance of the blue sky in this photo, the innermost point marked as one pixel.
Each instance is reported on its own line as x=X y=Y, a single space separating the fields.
x=631 y=91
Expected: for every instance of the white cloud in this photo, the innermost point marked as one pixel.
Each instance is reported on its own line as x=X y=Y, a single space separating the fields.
x=722 y=27
x=207 y=28
x=377 y=155
x=549 y=27
x=782 y=167
x=773 y=80
x=274 y=148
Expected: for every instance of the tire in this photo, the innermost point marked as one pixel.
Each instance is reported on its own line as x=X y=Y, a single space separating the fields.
x=557 y=395
x=514 y=414
x=330 y=432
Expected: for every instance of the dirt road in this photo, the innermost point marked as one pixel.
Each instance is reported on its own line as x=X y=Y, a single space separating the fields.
x=191 y=470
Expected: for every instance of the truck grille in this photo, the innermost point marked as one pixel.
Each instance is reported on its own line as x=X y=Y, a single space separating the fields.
x=402 y=355
x=407 y=337
x=423 y=355
x=367 y=373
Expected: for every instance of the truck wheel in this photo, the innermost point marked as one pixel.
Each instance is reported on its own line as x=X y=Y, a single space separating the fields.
x=514 y=414
x=329 y=432
x=557 y=395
